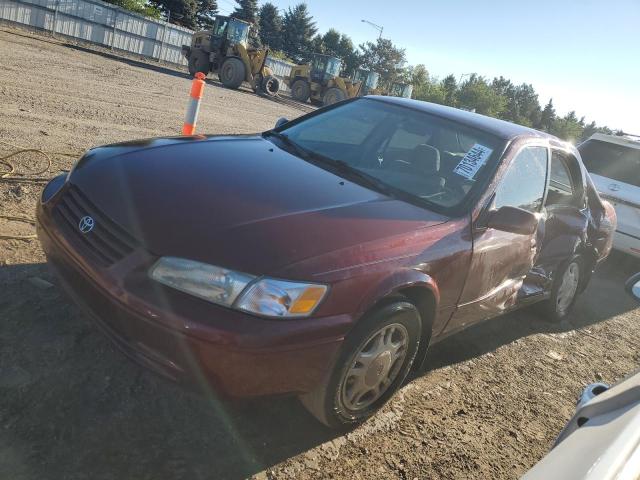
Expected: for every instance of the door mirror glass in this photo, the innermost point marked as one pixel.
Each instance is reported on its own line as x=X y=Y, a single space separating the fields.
x=281 y=121
x=633 y=286
x=513 y=220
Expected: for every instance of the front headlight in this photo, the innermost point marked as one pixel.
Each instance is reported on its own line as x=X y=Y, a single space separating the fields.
x=266 y=296
x=277 y=298
x=215 y=284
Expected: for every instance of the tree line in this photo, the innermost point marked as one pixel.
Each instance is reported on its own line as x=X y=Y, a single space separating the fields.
x=292 y=35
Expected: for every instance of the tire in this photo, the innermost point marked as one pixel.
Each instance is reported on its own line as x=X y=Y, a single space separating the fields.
x=232 y=73
x=387 y=340
x=198 y=62
x=300 y=90
x=270 y=85
x=563 y=295
x=333 y=95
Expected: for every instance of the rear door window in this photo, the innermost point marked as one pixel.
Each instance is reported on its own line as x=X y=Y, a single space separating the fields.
x=563 y=190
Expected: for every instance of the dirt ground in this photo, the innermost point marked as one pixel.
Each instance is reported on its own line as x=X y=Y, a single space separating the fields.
x=488 y=405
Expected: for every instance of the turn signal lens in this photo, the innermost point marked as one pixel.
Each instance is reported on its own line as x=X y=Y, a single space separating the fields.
x=308 y=300
x=278 y=298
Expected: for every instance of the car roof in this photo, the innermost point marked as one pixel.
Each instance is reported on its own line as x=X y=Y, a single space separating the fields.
x=627 y=142
x=499 y=128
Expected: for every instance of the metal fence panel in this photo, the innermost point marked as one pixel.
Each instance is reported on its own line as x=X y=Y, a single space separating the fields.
x=280 y=69
x=105 y=24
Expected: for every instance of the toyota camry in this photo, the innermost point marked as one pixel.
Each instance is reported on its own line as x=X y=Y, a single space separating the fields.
x=323 y=257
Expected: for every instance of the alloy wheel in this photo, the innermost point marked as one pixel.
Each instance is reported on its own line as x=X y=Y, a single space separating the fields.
x=568 y=287
x=375 y=366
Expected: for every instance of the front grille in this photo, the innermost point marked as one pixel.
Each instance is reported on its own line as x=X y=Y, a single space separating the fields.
x=107 y=242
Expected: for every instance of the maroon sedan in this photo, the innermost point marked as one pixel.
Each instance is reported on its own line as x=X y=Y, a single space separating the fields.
x=323 y=257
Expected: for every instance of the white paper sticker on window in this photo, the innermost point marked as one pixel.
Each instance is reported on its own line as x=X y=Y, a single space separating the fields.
x=472 y=161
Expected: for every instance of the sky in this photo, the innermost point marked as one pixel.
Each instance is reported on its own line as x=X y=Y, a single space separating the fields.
x=585 y=54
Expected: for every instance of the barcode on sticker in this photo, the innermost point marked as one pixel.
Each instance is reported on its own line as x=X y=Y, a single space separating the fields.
x=472 y=161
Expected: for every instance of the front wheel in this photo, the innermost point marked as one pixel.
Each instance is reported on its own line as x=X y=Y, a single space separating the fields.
x=375 y=359
x=232 y=73
x=300 y=90
x=198 y=62
x=333 y=95
x=564 y=290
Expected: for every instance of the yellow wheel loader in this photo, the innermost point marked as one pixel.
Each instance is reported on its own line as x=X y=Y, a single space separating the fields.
x=224 y=50
x=370 y=86
x=403 y=90
x=369 y=81
x=320 y=81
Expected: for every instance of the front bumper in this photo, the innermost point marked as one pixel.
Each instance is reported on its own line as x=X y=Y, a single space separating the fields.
x=187 y=339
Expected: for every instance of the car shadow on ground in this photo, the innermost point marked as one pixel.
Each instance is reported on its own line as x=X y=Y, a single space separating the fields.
x=72 y=406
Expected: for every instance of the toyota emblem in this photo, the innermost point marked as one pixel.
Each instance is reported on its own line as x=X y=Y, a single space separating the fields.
x=86 y=224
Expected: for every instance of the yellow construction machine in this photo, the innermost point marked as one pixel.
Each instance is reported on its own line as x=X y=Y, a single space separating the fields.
x=403 y=90
x=370 y=86
x=369 y=80
x=224 y=50
x=320 y=81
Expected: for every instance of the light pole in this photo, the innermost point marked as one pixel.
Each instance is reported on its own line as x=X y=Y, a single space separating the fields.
x=377 y=27
x=462 y=76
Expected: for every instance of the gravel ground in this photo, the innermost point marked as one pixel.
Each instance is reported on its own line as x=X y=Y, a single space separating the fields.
x=488 y=405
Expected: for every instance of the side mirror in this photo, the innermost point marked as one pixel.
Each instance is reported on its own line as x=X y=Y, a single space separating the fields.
x=281 y=121
x=633 y=287
x=514 y=220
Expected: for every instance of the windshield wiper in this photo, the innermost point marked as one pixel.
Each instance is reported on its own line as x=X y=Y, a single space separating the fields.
x=302 y=152
x=369 y=180
x=337 y=165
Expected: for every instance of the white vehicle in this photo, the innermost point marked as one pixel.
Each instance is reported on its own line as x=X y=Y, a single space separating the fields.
x=614 y=165
x=602 y=439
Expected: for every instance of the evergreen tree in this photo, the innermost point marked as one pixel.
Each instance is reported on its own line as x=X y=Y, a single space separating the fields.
x=247 y=10
x=298 y=29
x=179 y=12
x=270 y=23
x=350 y=58
x=547 y=117
x=450 y=88
x=476 y=94
x=138 y=6
x=207 y=10
x=385 y=58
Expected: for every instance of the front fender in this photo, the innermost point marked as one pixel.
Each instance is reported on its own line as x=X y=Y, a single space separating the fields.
x=420 y=287
x=394 y=283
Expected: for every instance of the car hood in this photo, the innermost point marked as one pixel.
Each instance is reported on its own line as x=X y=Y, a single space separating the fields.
x=238 y=202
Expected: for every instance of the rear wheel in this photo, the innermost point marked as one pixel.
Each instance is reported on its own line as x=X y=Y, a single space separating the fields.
x=333 y=95
x=375 y=359
x=198 y=62
x=232 y=73
x=270 y=85
x=300 y=91
x=564 y=291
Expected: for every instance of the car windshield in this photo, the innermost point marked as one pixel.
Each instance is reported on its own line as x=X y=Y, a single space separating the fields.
x=413 y=154
x=238 y=32
x=333 y=67
x=372 y=80
x=612 y=160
